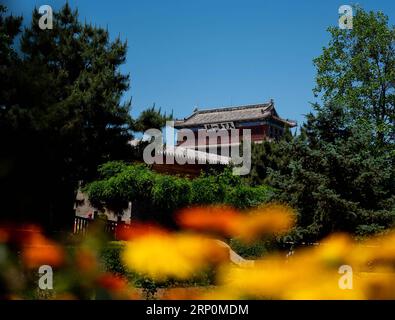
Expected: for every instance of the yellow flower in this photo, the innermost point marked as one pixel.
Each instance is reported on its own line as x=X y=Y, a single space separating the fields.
x=171 y=255
x=280 y=279
x=334 y=250
x=266 y=220
x=378 y=285
x=269 y=219
x=382 y=249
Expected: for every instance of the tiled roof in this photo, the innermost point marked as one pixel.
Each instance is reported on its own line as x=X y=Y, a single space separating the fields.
x=229 y=114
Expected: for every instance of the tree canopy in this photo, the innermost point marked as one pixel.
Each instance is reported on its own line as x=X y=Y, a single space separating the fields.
x=357 y=72
x=61 y=113
x=339 y=172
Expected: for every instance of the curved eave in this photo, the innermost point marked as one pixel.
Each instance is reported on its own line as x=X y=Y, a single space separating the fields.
x=179 y=124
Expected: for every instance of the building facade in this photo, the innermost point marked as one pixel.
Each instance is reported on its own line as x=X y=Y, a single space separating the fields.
x=262 y=119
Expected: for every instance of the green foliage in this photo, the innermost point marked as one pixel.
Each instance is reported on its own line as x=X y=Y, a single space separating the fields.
x=364 y=230
x=62 y=114
x=110 y=168
x=268 y=156
x=205 y=190
x=9 y=28
x=151 y=118
x=339 y=172
x=226 y=188
x=356 y=71
x=243 y=196
x=148 y=285
x=111 y=258
x=170 y=193
x=252 y=251
x=337 y=186
x=157 y=197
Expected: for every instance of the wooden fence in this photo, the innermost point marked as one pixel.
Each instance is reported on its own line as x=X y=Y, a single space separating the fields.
x=81 y=226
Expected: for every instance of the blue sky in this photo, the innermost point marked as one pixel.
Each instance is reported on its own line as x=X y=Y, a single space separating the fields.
x=213 y=53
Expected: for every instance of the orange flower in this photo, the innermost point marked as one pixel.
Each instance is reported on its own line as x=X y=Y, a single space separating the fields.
x=20 y=235
x=41 y=251
x=213 y=218
x=270 y=219
x=4 y=236
x=86 y=261
x=112 y=282
x=138 y=229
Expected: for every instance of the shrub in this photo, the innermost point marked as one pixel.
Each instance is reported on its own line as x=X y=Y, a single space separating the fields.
x=110 y=257
x=243 y=196
x=207 y=190
x=170 y=193
x=156 y=196
x=252 y=251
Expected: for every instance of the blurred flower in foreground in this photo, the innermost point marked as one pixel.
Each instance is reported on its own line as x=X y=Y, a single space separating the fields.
x=172 y=255
x=381 y=251
x=40 y=251
x=271 y=219
x=138 y=229
x=3 y=235
x=248 y=226
x=112 y=282
x=86 y=261
x=220 y=219
x=276 y=279
x=313 y=272
x=116 y=286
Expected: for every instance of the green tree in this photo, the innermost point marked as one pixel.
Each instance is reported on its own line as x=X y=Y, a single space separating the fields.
x=151 y=118
x=339 y=172
x=357 y=71
x=268 y=156
x=9 y=28
x=61 y=112
x=337 y=186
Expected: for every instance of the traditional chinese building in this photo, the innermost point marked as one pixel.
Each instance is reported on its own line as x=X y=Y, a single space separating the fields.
x=262 y=119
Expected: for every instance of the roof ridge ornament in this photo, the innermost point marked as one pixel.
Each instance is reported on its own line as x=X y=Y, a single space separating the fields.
x=250 y=112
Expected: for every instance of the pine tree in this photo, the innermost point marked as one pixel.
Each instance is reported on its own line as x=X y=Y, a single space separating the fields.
x=339 y=172
x=62 y=114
